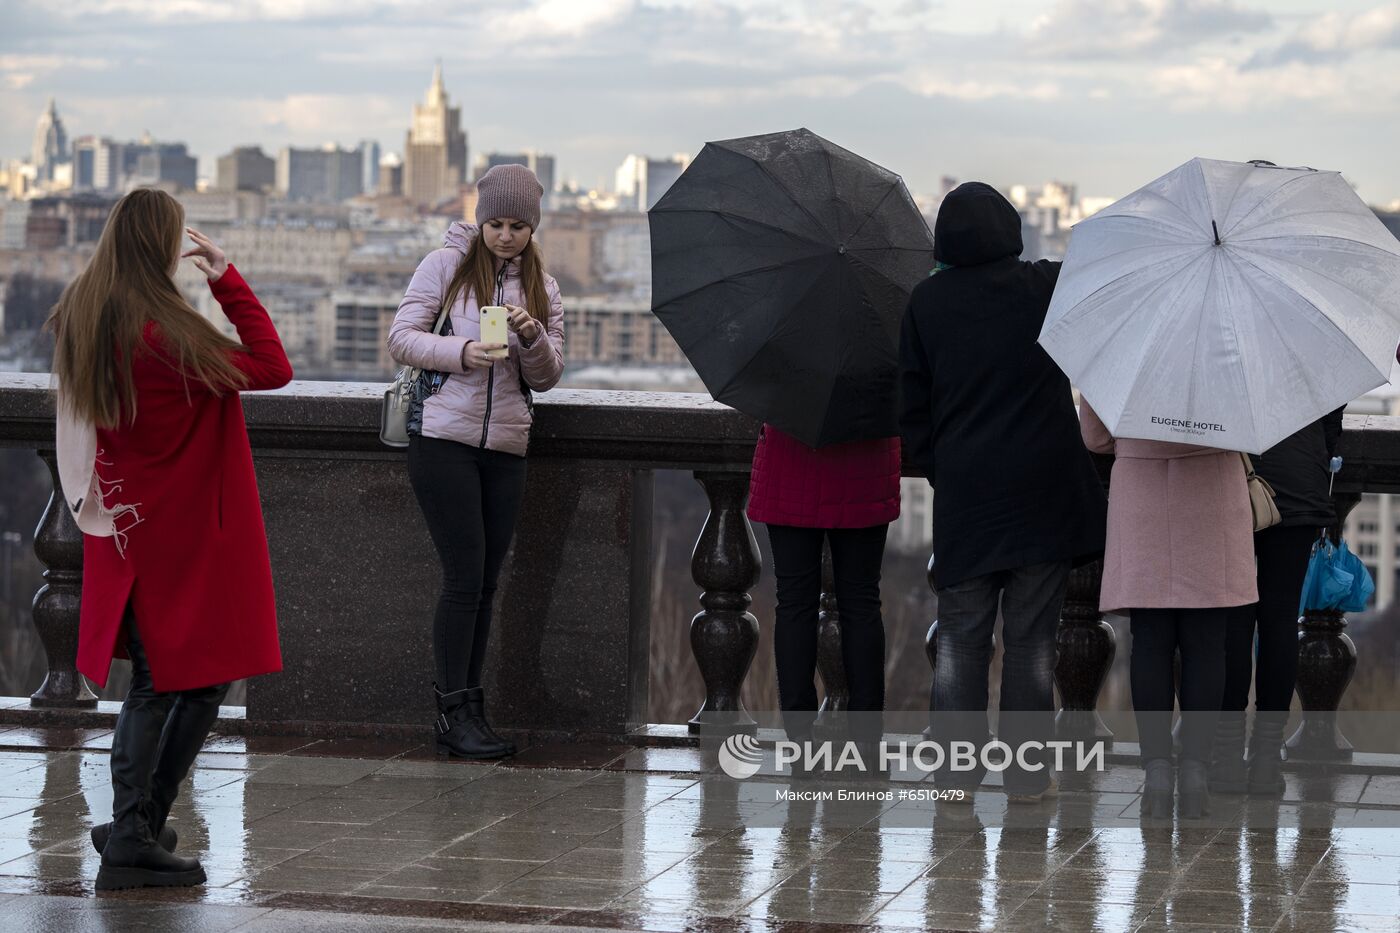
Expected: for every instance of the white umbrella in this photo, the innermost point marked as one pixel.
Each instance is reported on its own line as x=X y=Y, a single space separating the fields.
x=1227 y=304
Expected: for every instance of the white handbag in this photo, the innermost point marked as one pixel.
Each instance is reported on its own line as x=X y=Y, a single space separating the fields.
x=398 y=399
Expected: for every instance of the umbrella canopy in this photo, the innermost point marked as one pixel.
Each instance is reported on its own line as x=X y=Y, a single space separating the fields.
x=782 y=264
x=1227 y=304
x=1336 y=579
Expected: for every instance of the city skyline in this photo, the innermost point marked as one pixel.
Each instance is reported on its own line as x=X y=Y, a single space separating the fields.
x=1111 y=95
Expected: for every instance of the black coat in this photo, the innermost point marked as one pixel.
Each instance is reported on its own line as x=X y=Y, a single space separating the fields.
x=1297 y=469
x=985 y=411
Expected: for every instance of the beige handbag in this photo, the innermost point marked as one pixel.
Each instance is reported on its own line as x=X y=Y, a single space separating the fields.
x=1261 y=497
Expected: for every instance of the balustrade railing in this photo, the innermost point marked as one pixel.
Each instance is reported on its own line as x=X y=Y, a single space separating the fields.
x=622 y=434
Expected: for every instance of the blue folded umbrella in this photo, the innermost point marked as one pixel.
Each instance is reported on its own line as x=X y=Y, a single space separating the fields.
x=1336 y=580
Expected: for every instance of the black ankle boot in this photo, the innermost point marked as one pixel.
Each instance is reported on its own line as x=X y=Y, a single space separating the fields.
x=1227 y=772
x=476 y=708
x=1192 y=792
x=1265 y=746
x=1157 y=790
x=459 y=733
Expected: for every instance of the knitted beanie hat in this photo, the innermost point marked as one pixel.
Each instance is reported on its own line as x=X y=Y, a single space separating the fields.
x=509 y=191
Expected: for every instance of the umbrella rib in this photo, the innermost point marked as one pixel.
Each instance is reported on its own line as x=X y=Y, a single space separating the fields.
x=1149 y=339
x=875 y=210
x=817 y=224
x=1137 y=271
x=831 y=179
x=1321 y=313
x=749 y=220
x=1318 y=236
x=729 y=278
x=760 y=345
x=1268 y=198
x=1298 y=362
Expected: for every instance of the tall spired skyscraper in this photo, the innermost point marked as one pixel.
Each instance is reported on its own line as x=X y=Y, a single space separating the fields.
x=435 y=155
x=50 y=144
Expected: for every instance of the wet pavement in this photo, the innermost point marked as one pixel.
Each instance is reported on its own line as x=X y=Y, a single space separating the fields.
x=306 y=835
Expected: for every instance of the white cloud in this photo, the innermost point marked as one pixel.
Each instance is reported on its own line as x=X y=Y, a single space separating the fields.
x=1125 y=28
x=1217 y=84
x=1336 y=37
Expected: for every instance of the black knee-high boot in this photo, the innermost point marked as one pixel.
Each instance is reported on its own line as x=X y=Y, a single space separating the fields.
x=131 y=857
x=186 y=726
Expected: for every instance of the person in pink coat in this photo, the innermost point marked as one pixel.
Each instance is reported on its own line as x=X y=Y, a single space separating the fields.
x=845 y=495
x=1179 y=554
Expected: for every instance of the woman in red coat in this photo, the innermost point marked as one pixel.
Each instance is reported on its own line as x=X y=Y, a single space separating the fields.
x=847 y=495
x=156 y=467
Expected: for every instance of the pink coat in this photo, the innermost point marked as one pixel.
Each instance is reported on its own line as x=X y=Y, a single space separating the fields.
x=483 y=407
x=851 y=485
x=1180 y=529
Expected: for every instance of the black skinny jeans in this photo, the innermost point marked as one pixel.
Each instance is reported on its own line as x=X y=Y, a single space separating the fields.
x=470 y=499
x=1282 y=556
x=856 y=556
x=1199 y=634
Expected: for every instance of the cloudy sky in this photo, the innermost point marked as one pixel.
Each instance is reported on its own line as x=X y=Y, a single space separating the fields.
x=1105 y=93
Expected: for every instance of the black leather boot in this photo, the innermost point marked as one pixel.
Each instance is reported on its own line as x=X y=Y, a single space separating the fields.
x=186 y=727
x=1265 y=746
x=476 y=708
x=131 y=857
x=1192 y=792
x=1157 y=790
x=458 y=732
x=167 y=839
x=1227 y=772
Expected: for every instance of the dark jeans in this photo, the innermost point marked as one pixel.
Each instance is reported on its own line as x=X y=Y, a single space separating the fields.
x=1282 y=556
x=1158 y=634
x=856 y=556
x=157 y=737
x=470 y=498
x=1030 y=599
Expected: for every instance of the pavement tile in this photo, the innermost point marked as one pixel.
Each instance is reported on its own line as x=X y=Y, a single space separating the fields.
x=573 y=893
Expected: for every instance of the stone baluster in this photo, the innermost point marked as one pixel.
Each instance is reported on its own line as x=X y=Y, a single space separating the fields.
x=830 y=661
x=724 y=635
x=1085 y=646
x=1326 y=663
x=59 y=545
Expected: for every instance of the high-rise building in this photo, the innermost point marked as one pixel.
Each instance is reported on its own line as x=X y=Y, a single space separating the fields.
x=641 y=181
x=246 y=168
x=391 y=175
x=369 y=165
x=50 y=144
x=538 y=162
x=435 y=153
x=326 y=175
x=151 y=163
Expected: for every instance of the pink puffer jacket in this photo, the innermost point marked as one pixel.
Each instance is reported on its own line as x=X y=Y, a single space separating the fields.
x=480 y=407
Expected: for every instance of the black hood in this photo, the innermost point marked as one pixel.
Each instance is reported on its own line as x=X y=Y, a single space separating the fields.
x=976 y=225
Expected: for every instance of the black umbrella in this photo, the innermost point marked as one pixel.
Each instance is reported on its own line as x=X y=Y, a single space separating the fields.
x=782 y=264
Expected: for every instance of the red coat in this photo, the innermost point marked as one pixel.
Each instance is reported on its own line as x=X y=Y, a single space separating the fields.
x=196 y=569
x=851 y=485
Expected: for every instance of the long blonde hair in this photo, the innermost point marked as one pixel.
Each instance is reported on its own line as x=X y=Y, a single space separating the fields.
x=98 y=322
x=476 y=275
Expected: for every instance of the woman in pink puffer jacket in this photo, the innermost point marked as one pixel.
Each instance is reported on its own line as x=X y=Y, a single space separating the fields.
x=469 y=426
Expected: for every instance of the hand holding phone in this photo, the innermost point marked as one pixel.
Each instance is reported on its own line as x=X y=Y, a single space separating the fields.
x=494 y=331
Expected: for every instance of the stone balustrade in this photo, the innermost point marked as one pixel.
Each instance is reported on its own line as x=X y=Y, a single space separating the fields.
x=356 y=575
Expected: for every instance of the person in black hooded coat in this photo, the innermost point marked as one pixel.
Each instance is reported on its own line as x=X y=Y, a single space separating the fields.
x=990 y=418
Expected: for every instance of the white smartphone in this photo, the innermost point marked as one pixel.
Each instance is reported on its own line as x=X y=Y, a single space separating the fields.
x=493 y=330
